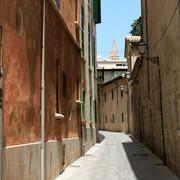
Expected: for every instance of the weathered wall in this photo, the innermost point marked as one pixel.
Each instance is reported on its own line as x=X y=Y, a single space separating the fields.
x=70 y=12
x=21 y=66
x=22 y=88
x=163 y=41
x=59 y=46
x=116 y=106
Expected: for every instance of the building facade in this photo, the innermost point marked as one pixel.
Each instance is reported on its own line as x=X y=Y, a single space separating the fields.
x=90 y=16
x=112 y=105
x=41 y=111
x=108 y=69
x=155 y=84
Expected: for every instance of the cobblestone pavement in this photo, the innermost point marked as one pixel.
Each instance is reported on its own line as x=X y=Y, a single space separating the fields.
x=117 y=157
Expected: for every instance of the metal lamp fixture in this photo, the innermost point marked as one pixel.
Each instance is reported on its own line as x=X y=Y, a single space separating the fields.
x=128 y=75
x=142 y=49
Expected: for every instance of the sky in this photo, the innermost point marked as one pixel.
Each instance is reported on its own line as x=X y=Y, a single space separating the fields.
x=116 y=19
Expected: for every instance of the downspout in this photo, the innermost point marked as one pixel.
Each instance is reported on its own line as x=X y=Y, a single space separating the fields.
x=1 y=99
x=147 y=42
x=42 y=94
x=162 y=120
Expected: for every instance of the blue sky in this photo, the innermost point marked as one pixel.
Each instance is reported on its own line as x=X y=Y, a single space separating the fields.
x=116 y=19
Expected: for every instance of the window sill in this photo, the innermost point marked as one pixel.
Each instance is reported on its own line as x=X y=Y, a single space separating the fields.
x=59 y=117
x=78 y=102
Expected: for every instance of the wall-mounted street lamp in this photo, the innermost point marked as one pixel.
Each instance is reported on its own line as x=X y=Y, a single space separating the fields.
x=142 y=49
x=128 y=75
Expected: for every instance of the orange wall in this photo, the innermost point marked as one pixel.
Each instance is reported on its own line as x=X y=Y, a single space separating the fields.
x=22 y=75
x=60 y=46
x=21 y=66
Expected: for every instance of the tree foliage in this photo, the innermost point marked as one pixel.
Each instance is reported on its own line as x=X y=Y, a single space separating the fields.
x=136 y=27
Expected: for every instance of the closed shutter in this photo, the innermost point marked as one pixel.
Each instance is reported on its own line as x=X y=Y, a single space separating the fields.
x=97 y=11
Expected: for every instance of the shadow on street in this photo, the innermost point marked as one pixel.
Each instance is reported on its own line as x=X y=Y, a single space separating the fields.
x=101 y=138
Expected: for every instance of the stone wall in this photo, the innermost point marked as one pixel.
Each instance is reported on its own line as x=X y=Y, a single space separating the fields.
x=146 y=115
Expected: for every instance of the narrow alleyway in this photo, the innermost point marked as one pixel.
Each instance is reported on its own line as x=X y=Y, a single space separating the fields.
x=117 y=156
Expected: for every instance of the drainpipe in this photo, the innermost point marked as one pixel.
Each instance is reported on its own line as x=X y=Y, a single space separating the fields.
x=147 y=42
x=162 y=119
x=42 y=93
x=1 y=99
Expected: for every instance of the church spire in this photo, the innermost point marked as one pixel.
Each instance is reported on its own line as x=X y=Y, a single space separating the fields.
x=114 y=55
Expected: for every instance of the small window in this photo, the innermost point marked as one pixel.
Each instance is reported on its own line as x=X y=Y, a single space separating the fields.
x=122 y=117
x=84 y=104
x=106 y=118
x=113 y=119
x=64 y=85
x=90 y=103
x=112 y=94
x=121 y=93
x=78 y=89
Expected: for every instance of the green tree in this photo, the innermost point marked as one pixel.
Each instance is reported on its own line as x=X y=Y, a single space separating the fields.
x=136 y=27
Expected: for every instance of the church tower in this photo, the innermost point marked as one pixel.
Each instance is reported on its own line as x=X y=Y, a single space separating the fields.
x=114 y=55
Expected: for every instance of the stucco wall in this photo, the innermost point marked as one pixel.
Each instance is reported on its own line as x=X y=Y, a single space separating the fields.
x=21 y=66
x=22 y=88
x=116 y=106
x=59 y=46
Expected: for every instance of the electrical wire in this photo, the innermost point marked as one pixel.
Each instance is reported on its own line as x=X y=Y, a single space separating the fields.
x=166 y=27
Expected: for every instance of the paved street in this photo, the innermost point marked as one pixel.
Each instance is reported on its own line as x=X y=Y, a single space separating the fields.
x=117 y=156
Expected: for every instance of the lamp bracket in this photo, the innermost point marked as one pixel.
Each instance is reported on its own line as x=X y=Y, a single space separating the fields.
x=154 y=60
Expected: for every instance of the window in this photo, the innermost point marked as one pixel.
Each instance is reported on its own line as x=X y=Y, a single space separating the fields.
x=83 y=105
x=90 y=108
x=64 y=85
x=57 y=3
x=121 y=93
x=105 y=97
x=57 y=85
x=89 y=45
x=82 y=29
x=106 y=118
x=78 y=89
x=95 y=106
x=94 y=55
x=113 y=119
x=122 y=117
x=112 y=94
x=118 y=64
